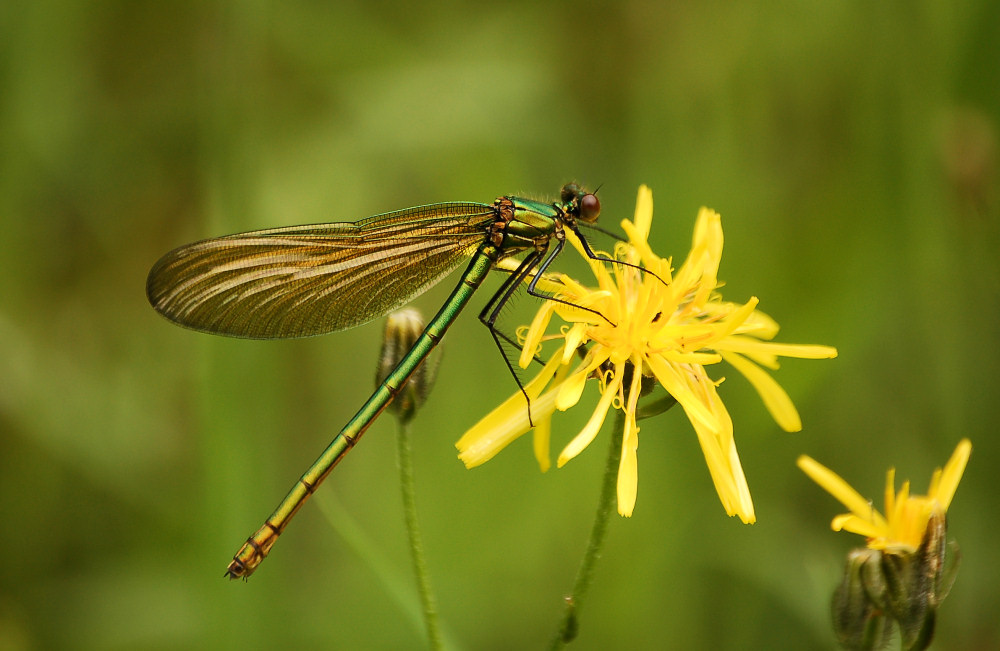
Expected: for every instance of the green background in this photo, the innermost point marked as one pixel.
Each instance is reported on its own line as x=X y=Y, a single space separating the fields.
x=851 y=148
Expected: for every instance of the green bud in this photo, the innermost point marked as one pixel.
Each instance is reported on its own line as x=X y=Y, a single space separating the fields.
x=894 y=587
x=858 y=620
x=917 y=584
x=402 y=329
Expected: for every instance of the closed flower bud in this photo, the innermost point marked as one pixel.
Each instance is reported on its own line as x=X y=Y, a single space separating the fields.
x=402 y=329
x=859 y=620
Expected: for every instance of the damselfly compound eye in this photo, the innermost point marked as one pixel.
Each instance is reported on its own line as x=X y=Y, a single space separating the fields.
x=590 y=208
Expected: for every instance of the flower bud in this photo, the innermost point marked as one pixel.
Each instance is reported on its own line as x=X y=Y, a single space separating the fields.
x=882 y=588
x=402 y=329
x=915 y=581
x=859 y=620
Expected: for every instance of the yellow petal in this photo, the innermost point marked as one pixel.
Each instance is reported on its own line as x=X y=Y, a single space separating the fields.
x=765 y=352
x=760 y=325
x=572 y=290
x=502 y=426
x=575 y=337
x=723 y=461
x=509 y=420
x=833 y=484
x=640 y=247
x=952 y=474
x=742 y=502
x=570 y=391
x=733 y=321
x=628 y=466
x=670 y=377
x=643 y=216
x=628 y=472
x=858 y=525
x=890 y=492
x=569 y=350
x=540 y=442
x=775 y=398
x=593 y=426
x=572 y=388
x=718 y=468
x=708 y=242
x=700 y=359
x=533 y=339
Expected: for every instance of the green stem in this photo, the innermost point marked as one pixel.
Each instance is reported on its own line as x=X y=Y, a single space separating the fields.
x=605 y=505
x=407 y=484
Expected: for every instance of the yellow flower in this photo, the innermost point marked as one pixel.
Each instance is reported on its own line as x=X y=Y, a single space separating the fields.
x=670 y=326
x=903 y=526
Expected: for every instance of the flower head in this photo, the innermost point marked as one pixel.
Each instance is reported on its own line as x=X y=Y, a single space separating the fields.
x=902 y=576
x=906 y=518
x=644 y=321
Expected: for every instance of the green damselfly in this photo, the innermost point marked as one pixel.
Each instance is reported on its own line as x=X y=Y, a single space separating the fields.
x=300 y=281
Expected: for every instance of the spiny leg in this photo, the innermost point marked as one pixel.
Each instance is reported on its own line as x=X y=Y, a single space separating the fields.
x=527 y=267
x=548 y=297
x=489 y=314
x=491 y=311
x=594 y=256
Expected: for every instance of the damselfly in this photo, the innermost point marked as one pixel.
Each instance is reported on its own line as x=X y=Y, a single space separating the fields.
x=299 y=281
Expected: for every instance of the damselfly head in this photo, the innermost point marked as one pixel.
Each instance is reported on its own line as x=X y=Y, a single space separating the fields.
x=569 y=192
x=584 y=205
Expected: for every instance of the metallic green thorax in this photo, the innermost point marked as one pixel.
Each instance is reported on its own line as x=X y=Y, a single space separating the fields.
x=305 y=280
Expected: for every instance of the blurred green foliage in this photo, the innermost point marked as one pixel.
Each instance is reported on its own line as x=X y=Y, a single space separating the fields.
x=850 y=147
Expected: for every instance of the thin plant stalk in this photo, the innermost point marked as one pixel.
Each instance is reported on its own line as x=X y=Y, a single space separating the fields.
x=569 y=625
x=407 y=484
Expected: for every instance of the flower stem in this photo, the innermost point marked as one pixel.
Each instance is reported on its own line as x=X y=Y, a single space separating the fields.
x=570 y=623
x=406 y=482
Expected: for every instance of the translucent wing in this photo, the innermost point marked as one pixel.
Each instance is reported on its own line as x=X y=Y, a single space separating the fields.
x=308 y=280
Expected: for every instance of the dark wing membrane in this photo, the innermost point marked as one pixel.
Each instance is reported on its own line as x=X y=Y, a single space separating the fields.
x=307 y=280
